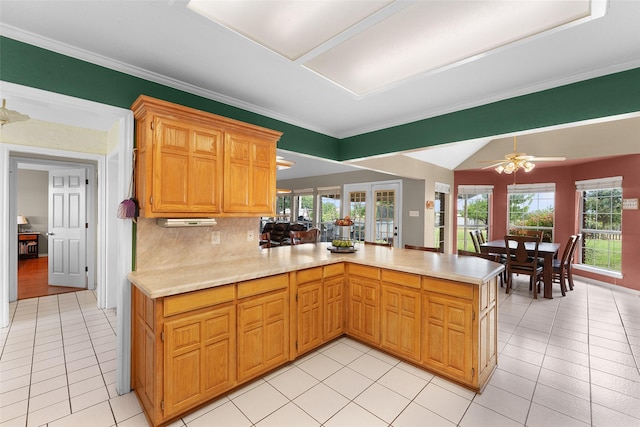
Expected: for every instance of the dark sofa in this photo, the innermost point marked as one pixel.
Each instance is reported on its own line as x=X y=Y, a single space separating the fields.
x=280 y=231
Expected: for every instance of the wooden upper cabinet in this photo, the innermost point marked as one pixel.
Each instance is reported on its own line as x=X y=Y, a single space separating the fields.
x=249 y=174
x=188 y=167
x=192 y=164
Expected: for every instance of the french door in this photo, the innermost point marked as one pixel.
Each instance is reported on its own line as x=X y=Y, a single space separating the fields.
x=375 y=210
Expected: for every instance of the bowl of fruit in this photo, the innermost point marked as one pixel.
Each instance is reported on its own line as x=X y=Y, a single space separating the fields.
x=342 y=245
x=346 y=221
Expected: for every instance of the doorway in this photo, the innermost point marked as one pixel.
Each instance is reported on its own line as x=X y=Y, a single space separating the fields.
x=375 y=209
x=48 y=262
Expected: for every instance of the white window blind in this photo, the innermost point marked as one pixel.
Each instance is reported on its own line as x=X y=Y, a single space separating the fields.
x=442 y=188
x=475 y=189
x=303 y=190
x=599 y=184
x=531 y=188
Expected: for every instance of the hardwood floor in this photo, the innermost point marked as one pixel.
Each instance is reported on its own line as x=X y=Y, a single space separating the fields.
x=33 y=279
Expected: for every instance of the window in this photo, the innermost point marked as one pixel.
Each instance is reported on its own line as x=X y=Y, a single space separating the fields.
x=473 y=213
x=283 y=205
x=385 y=225
x=357 y=211
x=303 y=205
x=601 y=223
x=282 y=209
x=329 y=212
x=531 y=210
x=440 y=214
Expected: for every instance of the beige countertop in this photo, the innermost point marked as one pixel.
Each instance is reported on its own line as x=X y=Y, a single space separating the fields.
x=269 y=262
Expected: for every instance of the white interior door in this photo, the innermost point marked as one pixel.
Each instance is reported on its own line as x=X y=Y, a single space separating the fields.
x=67 y=228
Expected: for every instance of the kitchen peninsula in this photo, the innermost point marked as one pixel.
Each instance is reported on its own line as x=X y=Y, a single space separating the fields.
x=200 y=331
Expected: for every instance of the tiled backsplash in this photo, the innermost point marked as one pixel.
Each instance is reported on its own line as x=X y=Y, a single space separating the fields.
x=159 y=247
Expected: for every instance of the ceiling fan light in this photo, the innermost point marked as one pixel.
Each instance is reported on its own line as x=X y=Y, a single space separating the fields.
x=10 y=116
x=500 y=169
x=510 y=167
x=528 y=166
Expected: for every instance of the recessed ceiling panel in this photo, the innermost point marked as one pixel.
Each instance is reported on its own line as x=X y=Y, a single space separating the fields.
x=290 y=28
x=430 y=35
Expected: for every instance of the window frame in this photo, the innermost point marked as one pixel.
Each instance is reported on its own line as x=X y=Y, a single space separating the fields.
x=470 y=191
x=536 y=190
x=599 y=185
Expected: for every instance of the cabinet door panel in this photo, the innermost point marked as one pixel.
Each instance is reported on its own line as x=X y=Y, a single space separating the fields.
x=249 y=174
x=187 y=174
x=447 y=341
x=401 y=320
x=309 y=316
x=263 y=334
x=199 y=358
x=364 y=309
x=334 y=308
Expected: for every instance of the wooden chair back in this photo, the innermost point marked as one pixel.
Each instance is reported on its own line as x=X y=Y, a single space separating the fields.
x=265 y=240
x=422 y=248
x=386 y=244
x=519 y=258
x=474 y=239
x=520 y=261
x=301 y=237
x=480 y=237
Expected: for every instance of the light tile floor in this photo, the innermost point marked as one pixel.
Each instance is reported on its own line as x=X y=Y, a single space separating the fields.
x=569 y=361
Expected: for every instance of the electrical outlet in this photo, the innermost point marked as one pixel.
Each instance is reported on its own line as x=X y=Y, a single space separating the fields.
x=250 y=235
x=215 y=237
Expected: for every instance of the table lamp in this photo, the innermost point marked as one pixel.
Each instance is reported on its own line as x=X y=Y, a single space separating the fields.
x=22 y=220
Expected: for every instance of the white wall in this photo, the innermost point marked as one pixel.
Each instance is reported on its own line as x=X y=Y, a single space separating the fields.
x=32 y=202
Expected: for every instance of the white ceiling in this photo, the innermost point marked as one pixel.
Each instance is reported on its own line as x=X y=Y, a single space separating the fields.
x=166 y=42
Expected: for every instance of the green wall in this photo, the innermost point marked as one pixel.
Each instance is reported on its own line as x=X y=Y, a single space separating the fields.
x=31 y=66
x=599 y=97
x=609 y=95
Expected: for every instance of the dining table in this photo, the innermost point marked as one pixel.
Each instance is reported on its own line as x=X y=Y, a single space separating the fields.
x=546 y=250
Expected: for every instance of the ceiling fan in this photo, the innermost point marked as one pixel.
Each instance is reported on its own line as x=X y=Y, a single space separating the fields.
x=514 y=161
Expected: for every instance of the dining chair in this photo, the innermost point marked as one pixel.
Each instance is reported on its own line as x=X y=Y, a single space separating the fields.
x=386 y=244
x=265 y=240
x=480 y=237
x=562 y=267
x=519 y=261
x=570 y=263
x=474 y=239
x=422 y=248
x=301 y=237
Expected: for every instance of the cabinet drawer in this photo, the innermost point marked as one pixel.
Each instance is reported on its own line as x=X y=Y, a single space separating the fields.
x=261 y=286
x=309 y=275
x=198 y=299
x=404 y=279
x=364 y=271
x=334 y=270
x=448 y=287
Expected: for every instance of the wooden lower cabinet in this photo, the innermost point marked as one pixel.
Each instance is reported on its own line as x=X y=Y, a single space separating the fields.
x=447 y=337
x=363 y=303
x=459 y=330
x=199 y=358
x=400 y=322
x=263 y=334
x=309 y=301
x=334 y=307
x=190 y=348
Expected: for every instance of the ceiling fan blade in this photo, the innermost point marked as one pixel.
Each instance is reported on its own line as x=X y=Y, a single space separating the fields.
x=497 y=161
x=547 y=159
x=493 y=165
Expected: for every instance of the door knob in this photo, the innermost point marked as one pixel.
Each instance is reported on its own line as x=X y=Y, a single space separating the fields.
x=50 y=234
